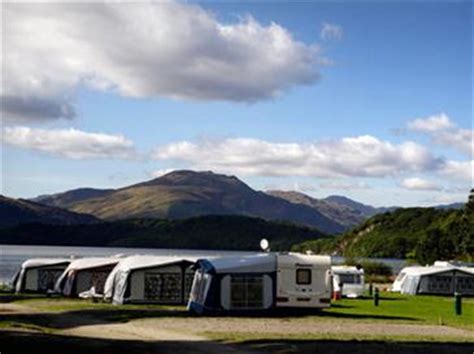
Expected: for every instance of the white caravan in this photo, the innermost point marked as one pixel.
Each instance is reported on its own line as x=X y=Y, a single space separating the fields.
x=261 y=282
x=350 y=279
x=303 y=280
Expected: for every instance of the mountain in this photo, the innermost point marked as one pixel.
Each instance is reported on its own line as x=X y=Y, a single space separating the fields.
x=343 y=210
x=19 y=211
x=344 y=215
x=185 y=194
x=66 y=199
x=228 y=232
x=422 y=234
x=450 y=206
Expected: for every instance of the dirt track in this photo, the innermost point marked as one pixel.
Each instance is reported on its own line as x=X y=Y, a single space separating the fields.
x=186 y=334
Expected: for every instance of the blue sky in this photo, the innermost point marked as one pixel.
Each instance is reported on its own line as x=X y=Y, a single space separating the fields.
x=383 y=67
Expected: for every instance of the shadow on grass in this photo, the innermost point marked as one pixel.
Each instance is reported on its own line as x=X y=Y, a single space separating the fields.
x=21 y=342
x=76 y=318
x=37 y=343
x=8 y=297
x=71 y=319
x=356 y=347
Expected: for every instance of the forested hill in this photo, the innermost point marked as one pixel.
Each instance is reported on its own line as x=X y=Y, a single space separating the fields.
x=423 y=234
x=205 y=232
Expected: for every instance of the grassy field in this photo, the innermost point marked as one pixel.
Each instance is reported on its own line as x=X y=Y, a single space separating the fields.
x=50 y=316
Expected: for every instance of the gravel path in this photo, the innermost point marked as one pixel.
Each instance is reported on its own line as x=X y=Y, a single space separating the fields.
x=299 y=326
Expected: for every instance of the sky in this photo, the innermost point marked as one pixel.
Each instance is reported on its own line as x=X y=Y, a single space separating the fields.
x=368 y=100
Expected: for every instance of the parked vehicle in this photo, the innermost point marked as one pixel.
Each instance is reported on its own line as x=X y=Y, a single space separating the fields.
x=348 y=281
x=39 y=274
x=150 y=279
x=261 y=282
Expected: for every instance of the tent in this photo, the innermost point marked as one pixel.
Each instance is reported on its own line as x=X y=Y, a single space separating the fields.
x=85 y=273
x=435 y=280
x=234 y=284
x=150 y=279
x=39 y=274
x=350 y=279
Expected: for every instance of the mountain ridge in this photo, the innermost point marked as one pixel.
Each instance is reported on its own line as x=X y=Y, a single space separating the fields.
x=183 y=194
x=19 y=211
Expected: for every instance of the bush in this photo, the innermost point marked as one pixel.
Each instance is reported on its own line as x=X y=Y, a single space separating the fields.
x=372 y=268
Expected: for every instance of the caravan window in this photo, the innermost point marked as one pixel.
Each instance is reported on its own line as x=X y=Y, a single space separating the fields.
x=47 y=278
x=163 y=287
x=440 y=284
x=303 y=276
x=246 y=291
x=465 y=284
x=349 y=278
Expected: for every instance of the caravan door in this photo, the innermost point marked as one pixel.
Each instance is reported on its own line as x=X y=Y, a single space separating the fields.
x=303 y=281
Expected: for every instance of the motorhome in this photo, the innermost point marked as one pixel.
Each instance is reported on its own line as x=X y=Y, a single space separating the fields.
x=348 y=281
x=261 y=282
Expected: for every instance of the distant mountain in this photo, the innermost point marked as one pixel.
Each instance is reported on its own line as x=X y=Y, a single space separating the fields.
x=185 y=194
x=205 y=232
x=364 y=209
x=343 y=210
x=66 y=199
x=343 y=214
x=450 y=206
x=20 y=211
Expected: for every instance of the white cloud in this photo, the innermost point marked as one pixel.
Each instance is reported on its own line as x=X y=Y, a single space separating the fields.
x=431 y=124
x=69 y=143
x=355 y=156
x=153 y=49
x=331 y=31
x=459 y=170
x=444 y=132
x=459 y=139
x=416 y=183
x=345 y=185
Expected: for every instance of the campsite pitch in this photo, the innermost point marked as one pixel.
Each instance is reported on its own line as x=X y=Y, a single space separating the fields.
x=400 y=324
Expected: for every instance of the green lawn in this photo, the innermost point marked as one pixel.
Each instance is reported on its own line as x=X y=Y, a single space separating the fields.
x=393 y=308
x=435 y=310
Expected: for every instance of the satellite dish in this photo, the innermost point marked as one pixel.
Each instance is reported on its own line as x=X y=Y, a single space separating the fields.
x=264 y=244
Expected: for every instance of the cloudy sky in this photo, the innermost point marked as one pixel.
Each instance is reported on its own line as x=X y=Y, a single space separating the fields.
x=372 y=101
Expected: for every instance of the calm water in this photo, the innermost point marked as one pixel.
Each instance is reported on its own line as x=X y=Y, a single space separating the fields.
x=11 y=257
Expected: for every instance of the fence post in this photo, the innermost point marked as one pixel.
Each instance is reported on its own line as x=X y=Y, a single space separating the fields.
x=376 y=297
x=458 y=304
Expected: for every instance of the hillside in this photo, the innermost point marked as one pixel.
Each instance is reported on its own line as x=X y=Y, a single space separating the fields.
x=18 y=211
x=424 y=234
x=66 y=199
x=205 y=232
x=348 y=216
x=185 y=194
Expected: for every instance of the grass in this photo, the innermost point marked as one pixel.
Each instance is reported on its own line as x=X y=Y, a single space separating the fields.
x=52 y=313
x=242 y=337
x=433 y=310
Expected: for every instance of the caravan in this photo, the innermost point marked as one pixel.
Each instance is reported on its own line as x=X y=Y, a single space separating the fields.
x=261 y=282
x=39 y=274
x=348 y=281
x=303 y=280
x=85 y=274
x=150 y=279
x=435 y=280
